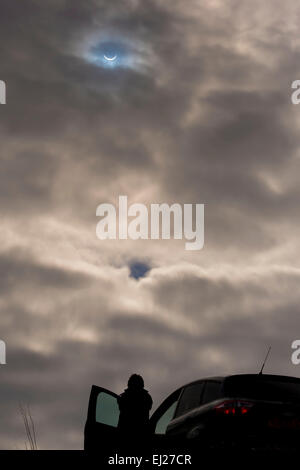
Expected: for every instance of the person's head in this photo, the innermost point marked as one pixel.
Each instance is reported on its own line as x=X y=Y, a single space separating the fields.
x=136 y=382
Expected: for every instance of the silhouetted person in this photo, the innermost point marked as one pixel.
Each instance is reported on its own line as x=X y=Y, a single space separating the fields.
x=135 y=404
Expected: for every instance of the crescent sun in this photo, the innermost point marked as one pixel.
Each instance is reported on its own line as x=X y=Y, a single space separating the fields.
x=110 y=58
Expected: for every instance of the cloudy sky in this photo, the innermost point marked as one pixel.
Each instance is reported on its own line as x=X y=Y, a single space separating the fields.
x=196 y=109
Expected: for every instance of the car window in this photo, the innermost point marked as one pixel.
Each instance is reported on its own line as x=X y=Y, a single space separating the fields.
x=162 y=423
x=260 y=387
x=107 y=409
x=190 y=398
x=212 y=391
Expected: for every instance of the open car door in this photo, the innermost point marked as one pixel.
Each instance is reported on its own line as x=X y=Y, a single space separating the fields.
x=101 y=428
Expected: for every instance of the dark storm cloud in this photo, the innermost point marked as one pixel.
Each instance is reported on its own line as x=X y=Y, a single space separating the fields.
x=26 y=180
x=251 y=139
x=203 y=115
x=18 y=269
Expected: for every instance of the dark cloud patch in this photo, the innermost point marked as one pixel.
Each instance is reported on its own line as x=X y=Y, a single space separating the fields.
x=18 y=270
x=26 y=181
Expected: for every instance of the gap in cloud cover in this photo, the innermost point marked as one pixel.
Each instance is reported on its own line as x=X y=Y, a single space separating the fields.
x=138 y=269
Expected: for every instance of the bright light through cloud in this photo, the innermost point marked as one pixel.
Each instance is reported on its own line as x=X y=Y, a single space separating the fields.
x=112 y=52
x=110 y=58
x=109 y=54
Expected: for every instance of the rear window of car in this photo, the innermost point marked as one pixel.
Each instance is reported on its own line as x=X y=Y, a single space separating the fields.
x=263 y=388
x=190 y=398
x=212 y=391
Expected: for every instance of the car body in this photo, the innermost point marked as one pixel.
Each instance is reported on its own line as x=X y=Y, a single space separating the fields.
x=254 y=410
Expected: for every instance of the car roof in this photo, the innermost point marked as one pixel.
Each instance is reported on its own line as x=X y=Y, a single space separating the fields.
x=223 y=377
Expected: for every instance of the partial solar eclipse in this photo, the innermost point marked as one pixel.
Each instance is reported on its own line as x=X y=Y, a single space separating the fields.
x=111 y=59
x=113 y=54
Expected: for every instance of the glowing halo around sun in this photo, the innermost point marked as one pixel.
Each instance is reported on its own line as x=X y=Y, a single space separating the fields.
x=113 y=52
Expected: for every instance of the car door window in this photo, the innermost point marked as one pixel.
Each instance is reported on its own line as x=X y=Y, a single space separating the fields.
x=190 y=398
x=162 y=423
x=212 y=391
x=107 y=409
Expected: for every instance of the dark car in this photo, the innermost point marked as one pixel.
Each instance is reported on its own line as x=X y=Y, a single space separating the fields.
x=255 y=411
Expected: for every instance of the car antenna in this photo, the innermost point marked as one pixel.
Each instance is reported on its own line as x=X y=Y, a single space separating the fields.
x=264 y=363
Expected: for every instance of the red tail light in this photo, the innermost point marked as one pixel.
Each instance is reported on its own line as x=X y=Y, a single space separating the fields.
x=234 y=408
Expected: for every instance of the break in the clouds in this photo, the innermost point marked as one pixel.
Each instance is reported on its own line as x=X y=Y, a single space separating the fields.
x=195 y=108
x=138 y=269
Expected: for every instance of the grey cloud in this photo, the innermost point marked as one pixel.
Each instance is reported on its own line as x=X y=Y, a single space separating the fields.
x=207 y=119
x=18 y=269
x=26 y=180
